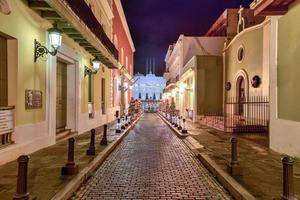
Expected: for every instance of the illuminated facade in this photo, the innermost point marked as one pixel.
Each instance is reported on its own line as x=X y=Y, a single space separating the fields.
x=54 y=96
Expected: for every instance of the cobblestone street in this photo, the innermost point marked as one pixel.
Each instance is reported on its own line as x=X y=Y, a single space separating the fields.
x=152 y=163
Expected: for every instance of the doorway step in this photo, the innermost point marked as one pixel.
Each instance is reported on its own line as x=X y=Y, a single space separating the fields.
x=64 y=134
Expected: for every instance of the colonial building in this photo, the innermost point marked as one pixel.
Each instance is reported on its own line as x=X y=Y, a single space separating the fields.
x=149 y=88
x=193 y=68
x=56 y=62
x=122 y=77
x=284 y=72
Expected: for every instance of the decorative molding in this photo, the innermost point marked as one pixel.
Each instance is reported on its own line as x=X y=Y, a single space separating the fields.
x=5 y=7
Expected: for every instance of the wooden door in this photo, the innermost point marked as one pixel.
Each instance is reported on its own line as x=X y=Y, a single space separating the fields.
x=61 y=96
x=241 y=96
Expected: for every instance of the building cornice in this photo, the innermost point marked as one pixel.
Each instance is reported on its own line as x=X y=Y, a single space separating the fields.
x=124 y=23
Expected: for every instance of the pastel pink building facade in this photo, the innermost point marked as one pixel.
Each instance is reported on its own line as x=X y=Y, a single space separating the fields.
x=122 y=77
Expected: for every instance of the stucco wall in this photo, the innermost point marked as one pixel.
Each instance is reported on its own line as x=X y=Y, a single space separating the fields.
x=284 y=75
x=209 y=84
x=30 y=75
x=288 y=65
x=255 y=61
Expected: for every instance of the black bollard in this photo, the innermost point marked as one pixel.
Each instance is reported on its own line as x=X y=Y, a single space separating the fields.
x=22 y=193
x=117 y=114
x=288 y=181
x=234 y=156
x=104 y=138
x=126 y=120
x=70 y=168
x=233 y=166
x=92 y=150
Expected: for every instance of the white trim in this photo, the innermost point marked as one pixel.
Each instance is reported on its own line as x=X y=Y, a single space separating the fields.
x=124 y=23
x=72 y=58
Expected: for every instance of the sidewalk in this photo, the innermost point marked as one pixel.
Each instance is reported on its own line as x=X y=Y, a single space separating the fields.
x=44 y=179
x=262 y=168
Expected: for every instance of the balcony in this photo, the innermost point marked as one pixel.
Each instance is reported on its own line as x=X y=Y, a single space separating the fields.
x=76 y=19
x=83 y=11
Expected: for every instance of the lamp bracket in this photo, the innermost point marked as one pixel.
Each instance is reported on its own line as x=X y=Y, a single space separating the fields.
x=89 y=71
x=40 y=50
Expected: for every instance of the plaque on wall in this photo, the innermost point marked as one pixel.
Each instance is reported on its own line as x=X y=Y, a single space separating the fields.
x=33 y=99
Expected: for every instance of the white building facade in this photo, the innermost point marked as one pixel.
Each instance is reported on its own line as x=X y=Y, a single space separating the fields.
x=148 y=87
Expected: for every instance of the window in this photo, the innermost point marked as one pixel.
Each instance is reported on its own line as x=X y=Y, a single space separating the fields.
x=241 y=53
x=115 y=91
x=147 y=96
x=154 y=96
x=90 y=85
x=140 y=95
x=103 y=96
x=160 y=96
x=3 y=72
x=90 y=96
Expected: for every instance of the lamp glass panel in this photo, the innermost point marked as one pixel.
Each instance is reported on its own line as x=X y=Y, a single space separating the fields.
x=96 y=65
x=55 y=39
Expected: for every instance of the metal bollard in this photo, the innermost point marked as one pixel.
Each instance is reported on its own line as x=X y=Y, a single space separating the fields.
x=179 y=124
x=91 y=151
x=288 y=181
x=104 y=138
x=21 y=193
x=233 y=166
x=126 y=121
x=123 y=123
x=70 y=168
x=184 y=130
x=117 y=114
x=118 y=129
x=176 y=121
x=234 y=156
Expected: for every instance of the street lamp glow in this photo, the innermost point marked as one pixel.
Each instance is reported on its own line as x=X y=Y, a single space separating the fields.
x=55 y=36
x=96 y=63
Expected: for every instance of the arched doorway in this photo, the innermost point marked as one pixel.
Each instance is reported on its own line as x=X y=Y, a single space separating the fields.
x=241 y=95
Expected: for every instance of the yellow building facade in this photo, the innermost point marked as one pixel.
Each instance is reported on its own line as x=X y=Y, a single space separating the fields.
x=53 y=94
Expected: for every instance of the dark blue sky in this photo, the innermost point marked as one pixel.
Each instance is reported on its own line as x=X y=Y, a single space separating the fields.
x=155 y=24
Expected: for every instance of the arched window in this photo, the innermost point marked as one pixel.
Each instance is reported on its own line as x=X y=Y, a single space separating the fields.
x=147 y=97
x=140 y=95
x=154 y=96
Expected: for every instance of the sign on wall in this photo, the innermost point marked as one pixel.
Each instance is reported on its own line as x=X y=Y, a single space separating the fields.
x=33 y=99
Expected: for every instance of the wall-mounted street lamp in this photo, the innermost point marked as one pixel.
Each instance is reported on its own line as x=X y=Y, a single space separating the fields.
x=55 y=36
x=96 y=66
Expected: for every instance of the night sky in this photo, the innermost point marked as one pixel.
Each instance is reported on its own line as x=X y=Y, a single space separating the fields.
x=155 y=24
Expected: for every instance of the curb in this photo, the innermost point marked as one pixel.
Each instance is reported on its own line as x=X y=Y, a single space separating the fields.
x=227 y=181
x=68 y=191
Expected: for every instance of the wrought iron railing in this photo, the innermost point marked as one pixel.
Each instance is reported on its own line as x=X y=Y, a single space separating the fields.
x=249 y=116
x=84 y=12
